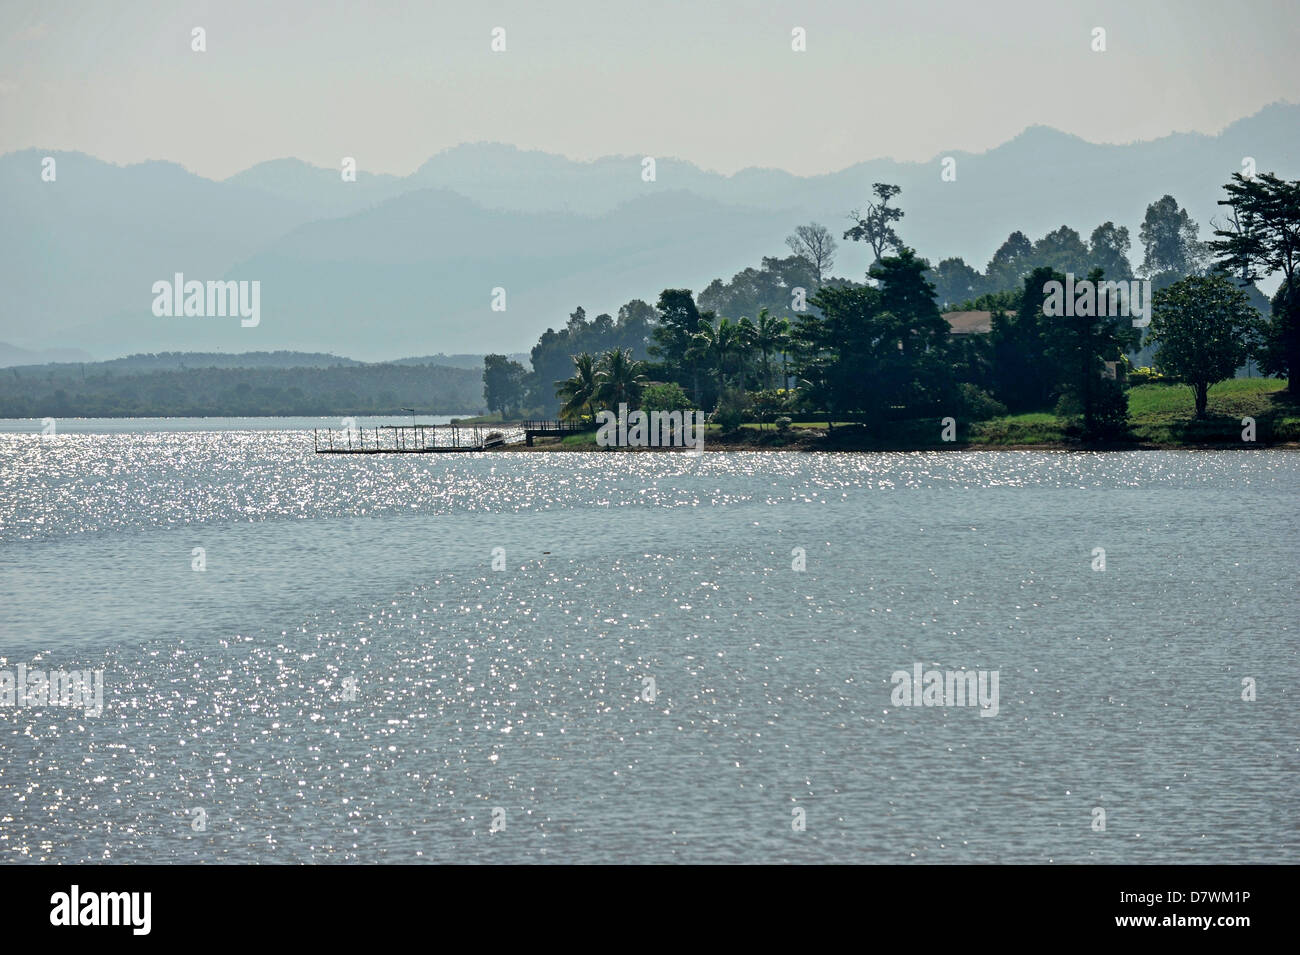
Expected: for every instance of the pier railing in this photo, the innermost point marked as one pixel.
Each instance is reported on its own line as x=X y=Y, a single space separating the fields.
x=413 y=438
x=542 y=428
x=558 y=426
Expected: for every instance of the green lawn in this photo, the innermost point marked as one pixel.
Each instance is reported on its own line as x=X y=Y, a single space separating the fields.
x=1165 y=414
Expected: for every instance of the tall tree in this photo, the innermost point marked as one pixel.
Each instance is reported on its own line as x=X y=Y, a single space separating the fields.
x=1169 y=238
x=814 y=243
x=503 y=384
x=1263 y=238
x=769 y=337
x=1010 y=263
x=1021 y=377
x=1108 y=250
x=1076 y=349
x=679 y=322
x=875 y=224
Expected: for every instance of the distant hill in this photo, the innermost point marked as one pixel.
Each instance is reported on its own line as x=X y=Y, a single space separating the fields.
x=164 y=361
x=458 y=361
x=406 y=265
x=199 y=387
x=317 y=189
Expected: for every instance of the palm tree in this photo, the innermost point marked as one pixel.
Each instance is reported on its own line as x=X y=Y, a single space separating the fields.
x=715 y=345
x=746 y=336
x=769 y=336
x=619 y=378
x=784 y=343
x=578 y=392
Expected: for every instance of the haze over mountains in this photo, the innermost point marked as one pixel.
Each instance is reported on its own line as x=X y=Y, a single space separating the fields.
x=389 y=266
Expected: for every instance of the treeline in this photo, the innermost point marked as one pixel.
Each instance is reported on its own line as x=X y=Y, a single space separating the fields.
x=178 y=360
x=85 y=391
x=790 y=338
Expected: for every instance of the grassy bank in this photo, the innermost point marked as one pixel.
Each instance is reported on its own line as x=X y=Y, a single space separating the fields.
x=1164 y=415
x=1160 y=415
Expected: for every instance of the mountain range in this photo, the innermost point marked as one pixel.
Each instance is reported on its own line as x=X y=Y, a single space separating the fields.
x=390 y=265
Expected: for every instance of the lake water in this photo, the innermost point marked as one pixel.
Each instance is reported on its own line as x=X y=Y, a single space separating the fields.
x=520 y=695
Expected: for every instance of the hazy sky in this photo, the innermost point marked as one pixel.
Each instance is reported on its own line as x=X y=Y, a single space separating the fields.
x=717 y=83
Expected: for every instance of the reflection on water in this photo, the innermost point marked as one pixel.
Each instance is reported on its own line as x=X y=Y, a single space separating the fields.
x=350 y=679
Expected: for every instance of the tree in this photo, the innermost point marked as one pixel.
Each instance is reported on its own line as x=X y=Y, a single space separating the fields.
x=715 y=346
x=1061 y=250
x=1010 y=263
x=619 y=379
x=770 y=286
x=769 y=336
x=578 y=392
x=1022 y=379
x=1169 y=238
x=1262 y=238
x=503 y=384
x=1077 y=347
x=875 y=226
x=814 y=243
x=955 y=282
x=1108 y=250
x=636 y=321
x=679 y=321
x=1201 y=327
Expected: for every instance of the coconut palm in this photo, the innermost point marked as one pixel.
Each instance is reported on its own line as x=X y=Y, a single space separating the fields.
x=769 y=337
x=746 y=336
x=619 y=378
x=715 y=345
x=578 y=392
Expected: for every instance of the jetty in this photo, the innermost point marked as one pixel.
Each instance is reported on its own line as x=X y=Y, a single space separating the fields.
x=412 y=439
x=437 y=438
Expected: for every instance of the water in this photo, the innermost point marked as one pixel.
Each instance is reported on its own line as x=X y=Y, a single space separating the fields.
x=522 y=690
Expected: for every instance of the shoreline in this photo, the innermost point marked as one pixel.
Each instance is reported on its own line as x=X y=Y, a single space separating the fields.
x=816 y=448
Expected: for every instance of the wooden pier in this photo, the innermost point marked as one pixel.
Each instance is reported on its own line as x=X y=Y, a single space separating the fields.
x=437 y=438
x=413 y=439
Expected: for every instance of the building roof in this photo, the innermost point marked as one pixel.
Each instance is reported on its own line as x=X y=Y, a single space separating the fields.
x=973 y=322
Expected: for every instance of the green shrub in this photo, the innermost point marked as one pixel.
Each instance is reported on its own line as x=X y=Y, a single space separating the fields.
x=732 y=410
x=1144 y=375
x=978 y=404
x=665 y=397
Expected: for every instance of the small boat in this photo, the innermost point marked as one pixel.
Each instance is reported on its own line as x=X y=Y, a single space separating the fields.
x=494 y=439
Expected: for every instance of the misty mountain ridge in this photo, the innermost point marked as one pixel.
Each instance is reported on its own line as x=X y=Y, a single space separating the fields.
x=407 y=265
